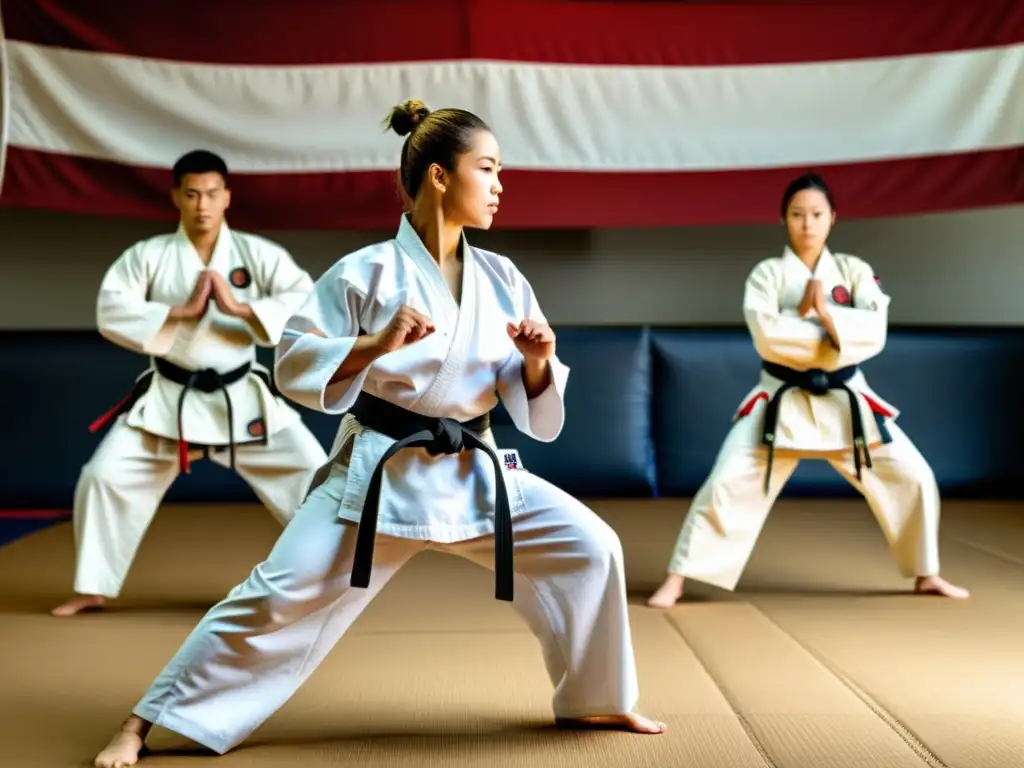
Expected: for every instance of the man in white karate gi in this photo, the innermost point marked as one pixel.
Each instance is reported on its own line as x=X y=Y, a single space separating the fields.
x=196 y=302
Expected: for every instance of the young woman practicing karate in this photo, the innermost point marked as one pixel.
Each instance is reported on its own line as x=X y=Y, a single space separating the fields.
x=814 y=317
x=413 y=340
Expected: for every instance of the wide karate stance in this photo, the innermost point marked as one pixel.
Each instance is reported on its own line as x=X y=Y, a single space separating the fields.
x=814 y=317
x=413 y=340
x=197 y=302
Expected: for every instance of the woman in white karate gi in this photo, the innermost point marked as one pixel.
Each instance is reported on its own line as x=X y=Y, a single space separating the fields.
x=814 y=316
x=414 y=336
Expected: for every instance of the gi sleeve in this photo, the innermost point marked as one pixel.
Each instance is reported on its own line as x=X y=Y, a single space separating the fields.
x=316 y=340
x=124 y=313
x=284 y=286
x=862 y=329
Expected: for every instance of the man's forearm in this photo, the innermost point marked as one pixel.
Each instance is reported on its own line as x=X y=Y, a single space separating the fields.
x=244 y=312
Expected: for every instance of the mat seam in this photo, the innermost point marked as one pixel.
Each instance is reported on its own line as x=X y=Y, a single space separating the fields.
x=748 y=729
x=897 y=726
x=991 y=551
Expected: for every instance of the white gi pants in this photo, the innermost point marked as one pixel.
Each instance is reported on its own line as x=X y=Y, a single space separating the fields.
x=122 y=485
x=254 y=649
x=731 y=507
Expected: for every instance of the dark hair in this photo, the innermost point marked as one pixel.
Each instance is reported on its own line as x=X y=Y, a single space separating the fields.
x=807 y=181
x=432 y=137
x=199 y=161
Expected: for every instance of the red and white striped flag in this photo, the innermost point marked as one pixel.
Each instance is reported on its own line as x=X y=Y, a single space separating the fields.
x=608 y=113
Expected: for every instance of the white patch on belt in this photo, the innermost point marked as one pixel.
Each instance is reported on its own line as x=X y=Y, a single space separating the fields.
x=510 y=459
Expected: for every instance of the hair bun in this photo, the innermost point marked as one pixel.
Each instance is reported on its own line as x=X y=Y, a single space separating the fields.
x=404 y=117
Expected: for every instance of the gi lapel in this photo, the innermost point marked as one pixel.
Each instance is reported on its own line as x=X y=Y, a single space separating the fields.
x=456 y=320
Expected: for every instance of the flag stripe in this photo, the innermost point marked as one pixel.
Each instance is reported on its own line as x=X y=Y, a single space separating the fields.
x=308 y=32
x=532 y=199
x=609 y=114
x=547 y=117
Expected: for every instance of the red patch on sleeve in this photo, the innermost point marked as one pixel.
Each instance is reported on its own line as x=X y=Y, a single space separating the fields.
x=841 y=296
x=240 y=277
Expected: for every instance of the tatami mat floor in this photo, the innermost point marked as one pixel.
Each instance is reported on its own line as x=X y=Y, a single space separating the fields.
x=822 y=659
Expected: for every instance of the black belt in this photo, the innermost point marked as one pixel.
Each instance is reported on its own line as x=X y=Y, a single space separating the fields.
x=206 y=380
x=438 y=436
x=817 y=382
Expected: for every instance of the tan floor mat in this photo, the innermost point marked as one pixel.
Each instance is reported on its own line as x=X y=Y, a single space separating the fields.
x=948 y=675
x=819 y=660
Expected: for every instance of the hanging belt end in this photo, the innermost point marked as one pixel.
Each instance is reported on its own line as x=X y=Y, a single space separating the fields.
x=359 y=580
x=504 y=590
x=362 y=566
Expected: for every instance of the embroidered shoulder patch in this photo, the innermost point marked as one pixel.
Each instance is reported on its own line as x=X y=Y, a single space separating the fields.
x=240 y=277
x=841 y=296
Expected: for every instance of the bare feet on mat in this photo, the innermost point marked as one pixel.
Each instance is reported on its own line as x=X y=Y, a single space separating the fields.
x=628 y=722
x=668 y=594
x=936 y=585
x=123 y=750
x=80 y=603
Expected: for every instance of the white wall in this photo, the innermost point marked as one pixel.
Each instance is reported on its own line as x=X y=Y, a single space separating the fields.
x=950 y=269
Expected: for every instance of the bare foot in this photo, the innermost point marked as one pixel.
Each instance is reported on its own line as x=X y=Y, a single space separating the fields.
x=668 y=594
x=123 y=750
x=936 y=585
x=628 y=722
x=80 y=603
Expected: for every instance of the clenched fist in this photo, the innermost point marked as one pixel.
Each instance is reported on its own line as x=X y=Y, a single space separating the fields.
x=533 y=339
x=407 y=327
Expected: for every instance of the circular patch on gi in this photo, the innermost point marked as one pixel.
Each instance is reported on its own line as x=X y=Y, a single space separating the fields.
x=256 y=428
x=240 y=277
x=841 y=296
